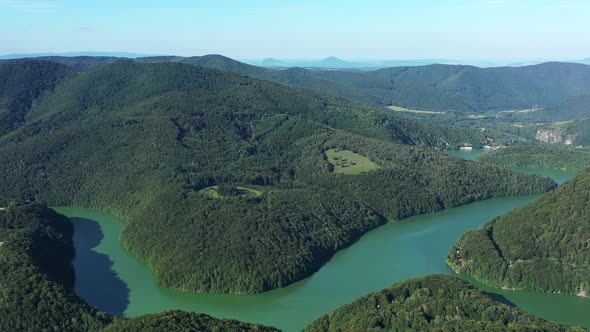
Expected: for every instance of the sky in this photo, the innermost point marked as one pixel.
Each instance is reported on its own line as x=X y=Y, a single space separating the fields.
x=304 y=29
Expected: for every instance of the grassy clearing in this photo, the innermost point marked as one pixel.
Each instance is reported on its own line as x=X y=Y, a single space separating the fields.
x=561 y=123
x=528 y=110
x=478 y=116
x=348 y=162
x=407 y=110
x=213 y=192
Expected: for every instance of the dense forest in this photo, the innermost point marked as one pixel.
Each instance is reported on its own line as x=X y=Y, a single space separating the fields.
x=542 y=246
x=36 y=276
x=460 y=88
x=21 y=83
x=179 y=321
x=36 y=281
x=464 y=89
x=573 y=108
x=432 y=303
x=539 y=156
x=509 y=103
x=147 y=142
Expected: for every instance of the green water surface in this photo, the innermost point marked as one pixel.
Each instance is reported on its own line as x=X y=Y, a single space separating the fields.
x=109 y=278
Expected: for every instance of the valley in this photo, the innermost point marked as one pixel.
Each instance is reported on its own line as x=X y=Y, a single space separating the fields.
x=193 y=187
x=411 y=248
x=297 y=166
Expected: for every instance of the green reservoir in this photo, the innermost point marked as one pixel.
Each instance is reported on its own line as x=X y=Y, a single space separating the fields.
x=109 y=278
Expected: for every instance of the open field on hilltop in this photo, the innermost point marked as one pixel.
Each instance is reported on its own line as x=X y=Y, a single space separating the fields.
x=348 y=162
x=215 y=192
x=408 y=110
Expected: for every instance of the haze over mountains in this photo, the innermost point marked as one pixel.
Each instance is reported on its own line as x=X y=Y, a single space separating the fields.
x=460 y=88
x=234 y=178
x=330 y=62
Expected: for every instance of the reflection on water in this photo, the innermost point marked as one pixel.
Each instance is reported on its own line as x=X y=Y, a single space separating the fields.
x=96 y=281
x=394 y=252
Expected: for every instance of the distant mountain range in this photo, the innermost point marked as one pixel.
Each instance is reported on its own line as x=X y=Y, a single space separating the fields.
x=331 y=62
x=337 y=63
x=440 y=87
x=73 y=54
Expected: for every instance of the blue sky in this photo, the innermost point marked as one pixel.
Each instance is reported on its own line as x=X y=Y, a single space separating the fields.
x=456 y=29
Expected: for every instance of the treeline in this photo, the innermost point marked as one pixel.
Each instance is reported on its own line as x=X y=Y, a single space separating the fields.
x=542 y=246
x=177 y=321
x=36 y=276
x=539 y=156
x=21 y=83
x=465 y=89
x=432 y=303
x=142 y=140
x=36 y=282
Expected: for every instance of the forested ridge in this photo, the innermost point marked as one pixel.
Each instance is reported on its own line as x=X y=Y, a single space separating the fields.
x=36 y=276
x=539 y=156
x=432 y=303
x=576 y=107
x=178 y=321
x=542 y=246
x=145 y=141
x=37 y=279
x=439 y=87
x=21 y=83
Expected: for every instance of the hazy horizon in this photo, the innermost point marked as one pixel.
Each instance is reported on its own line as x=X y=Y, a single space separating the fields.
x=286 y=60
x=503 y=30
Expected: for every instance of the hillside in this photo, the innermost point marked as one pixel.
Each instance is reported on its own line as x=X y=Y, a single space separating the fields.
x=580 y=130
x=432 y=303
x=81 y=62
x=178 y=321
x=539 y=156
x=459 y=88
x=438 y=87
x=573 y=108
x=21 y=83
x=36 y=277
x=224 y=181
x=36 y=281
x=465 y=89
x=542 y=246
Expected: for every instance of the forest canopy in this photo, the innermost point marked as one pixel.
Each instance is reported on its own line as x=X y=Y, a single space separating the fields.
x=542 y=246
x=144 y=141
x=431 y=303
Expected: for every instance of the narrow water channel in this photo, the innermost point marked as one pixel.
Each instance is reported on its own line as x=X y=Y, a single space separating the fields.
x=109 y=278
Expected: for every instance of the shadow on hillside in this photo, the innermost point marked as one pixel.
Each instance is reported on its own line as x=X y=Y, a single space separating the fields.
x=96 y=281
x=501 y=299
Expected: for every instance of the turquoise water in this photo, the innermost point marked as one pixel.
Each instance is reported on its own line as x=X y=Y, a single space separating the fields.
x=111 y=279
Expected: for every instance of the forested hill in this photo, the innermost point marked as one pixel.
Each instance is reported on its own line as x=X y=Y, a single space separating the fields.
x=460 y=88
x=432 y=303
x=36 y=281
x=36 y=277
x=21 y=83
x=570 y=109
x=539 y=156
x=230 y=184
x=542 y=246
x=180 y=321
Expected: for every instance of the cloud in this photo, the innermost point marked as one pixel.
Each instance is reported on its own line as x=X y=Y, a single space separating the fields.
x=30 y=6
